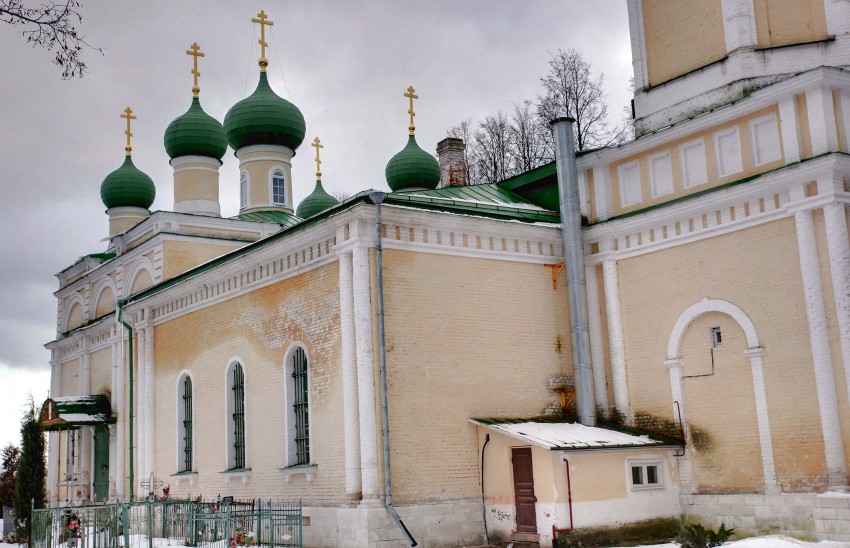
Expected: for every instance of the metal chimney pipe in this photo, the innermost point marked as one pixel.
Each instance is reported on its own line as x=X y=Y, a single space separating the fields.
x=565 y=162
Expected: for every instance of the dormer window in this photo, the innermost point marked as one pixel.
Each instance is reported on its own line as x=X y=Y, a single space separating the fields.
x=243 y=190
x=278 y=187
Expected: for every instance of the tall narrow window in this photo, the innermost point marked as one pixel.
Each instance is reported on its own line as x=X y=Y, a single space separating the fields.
x=278 y=187
x=187 y=424
x=301 y=407
x=238 y=415
x=243 y=190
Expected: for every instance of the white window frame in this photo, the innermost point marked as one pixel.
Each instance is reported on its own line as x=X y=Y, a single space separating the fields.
x=289 y=411
x=621 y=180
x=272 y=177
x=180 y=416
x=644 y=464
x=774 y=147
x=737 y=164
x=244 y=188
x=656 y=162
x=228 y=415
x=691 y=178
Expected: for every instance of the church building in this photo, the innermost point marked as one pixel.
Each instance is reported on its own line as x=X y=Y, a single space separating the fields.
x=643 y=330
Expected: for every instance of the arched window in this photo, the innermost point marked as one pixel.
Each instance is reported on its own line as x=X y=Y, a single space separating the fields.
x=298 y=404
x=236 y=417
x=243 y=190
x=185 y=416
x=278 y=187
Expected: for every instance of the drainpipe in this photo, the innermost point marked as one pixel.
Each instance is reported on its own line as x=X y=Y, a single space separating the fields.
x=570 y=209
x=120 y=306
x=556 y=530
x=377 y=198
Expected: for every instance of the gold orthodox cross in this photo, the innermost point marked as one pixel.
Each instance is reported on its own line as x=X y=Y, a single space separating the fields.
x=411 y=96
x=128 y=114
x=317 y=144
x=195 y=51
x=263 y=21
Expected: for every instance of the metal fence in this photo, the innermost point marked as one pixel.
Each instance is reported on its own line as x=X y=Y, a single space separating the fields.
x=157 y=524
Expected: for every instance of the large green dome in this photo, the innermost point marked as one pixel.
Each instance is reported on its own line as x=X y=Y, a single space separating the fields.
x=412 y=168
x=317 y=201
x=195 y=133
x=127 y=186
x=263 y=118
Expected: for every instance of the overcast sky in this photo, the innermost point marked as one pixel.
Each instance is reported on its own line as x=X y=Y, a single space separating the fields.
x=344 y=64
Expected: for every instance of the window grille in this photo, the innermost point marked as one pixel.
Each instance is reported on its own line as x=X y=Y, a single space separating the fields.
x=300 y=407
x=187 y=424
x=278 y=188
x=238 y=417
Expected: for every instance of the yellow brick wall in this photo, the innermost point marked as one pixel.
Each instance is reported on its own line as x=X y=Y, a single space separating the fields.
x=784 y=22
x=100 y=364
x=70 y=383
x=453 y=329
x=178 y=257
x=105 y=304
x=656 y=288
x=258 y=328
x=681 y=36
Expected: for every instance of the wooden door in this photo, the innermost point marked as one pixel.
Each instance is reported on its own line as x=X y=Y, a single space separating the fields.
x=101 y=463
x=526 y=516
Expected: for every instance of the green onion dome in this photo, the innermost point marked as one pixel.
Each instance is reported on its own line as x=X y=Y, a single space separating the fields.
x=412 y=168
x=127 y=186
x=195 y=133
x=264 y=118
x=317 y=201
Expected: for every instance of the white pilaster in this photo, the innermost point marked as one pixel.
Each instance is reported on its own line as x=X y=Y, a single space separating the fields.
x=756 y=355
x=739 y=24
x=837 y=17
x=602 y=192
x=119 y=408
x=674 y=369
x=637 y=33
x=836 y=461
x=139 y=412
x=351 y=413
x=365 y=373
x=790 y=129
x=844 y=120
x=149 y=402
x=597 y=353
x=838 y=244
x=84 y=464
x=822 y=128
x=53 y=438
x=616 y=342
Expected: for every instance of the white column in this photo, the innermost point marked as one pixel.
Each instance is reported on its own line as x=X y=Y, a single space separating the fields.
x=838 y=244
x=139 y=412
x=119 y=407
x=616 y=342
x=597 y=352
x=739 y=24
x=351 y=411
x=53 y=438
x=790 y=129
x=822 y=127
x=365 y=374
x=150 y=419
x=84 y=464
x=836 y=462
x=756 y=355
x=674 y=368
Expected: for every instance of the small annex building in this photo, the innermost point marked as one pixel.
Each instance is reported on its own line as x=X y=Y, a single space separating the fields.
x=711 y=370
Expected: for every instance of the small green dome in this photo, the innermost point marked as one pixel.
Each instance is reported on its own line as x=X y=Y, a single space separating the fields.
x=412 y=168
x=317 y=201
x=263 y=118
x=127 y=186
x=195 y=133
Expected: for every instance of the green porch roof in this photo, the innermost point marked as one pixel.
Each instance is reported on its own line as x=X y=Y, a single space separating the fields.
x=282 y=218
x=75 y=411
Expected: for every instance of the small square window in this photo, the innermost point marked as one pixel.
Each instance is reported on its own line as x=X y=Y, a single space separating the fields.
x=646 y=475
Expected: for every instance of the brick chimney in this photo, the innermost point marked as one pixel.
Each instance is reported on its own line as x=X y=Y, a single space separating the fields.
x=452 y=162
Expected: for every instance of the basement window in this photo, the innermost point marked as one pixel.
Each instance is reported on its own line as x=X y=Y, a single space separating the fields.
x=716 y=337
x=645 y=475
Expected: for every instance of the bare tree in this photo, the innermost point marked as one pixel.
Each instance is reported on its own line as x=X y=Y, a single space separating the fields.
x=527 y=142
x=571 y=90
x=490 y=148
x=463 y=131
x=53 y=27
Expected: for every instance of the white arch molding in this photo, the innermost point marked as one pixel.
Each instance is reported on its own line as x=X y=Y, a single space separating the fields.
x=102 y=286
x=143 y=263
x=76 y=298
x=754 y=352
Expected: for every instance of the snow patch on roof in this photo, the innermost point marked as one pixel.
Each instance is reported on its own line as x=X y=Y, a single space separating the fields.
x=567 y=436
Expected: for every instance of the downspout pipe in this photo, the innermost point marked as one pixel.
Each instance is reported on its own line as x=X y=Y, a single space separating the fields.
x=570 y=210
x=377 y=198
x=120 y=308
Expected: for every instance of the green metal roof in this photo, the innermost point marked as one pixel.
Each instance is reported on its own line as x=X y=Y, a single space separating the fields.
x=127 y=186
x=75 y=411
x=264 y=118
x=282 y=218
x=195 y=133
x=317 y=201
x=412 y=168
